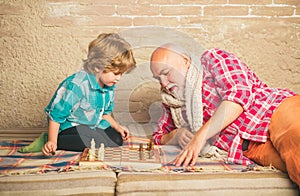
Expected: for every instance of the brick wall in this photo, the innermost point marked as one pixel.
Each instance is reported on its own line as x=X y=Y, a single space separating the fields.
x=167 y=13
x=44 y=41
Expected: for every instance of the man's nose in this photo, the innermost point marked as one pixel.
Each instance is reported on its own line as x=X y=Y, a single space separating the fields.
x=163 y=81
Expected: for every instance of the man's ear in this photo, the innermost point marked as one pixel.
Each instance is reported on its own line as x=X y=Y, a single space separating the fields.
x=187 y=60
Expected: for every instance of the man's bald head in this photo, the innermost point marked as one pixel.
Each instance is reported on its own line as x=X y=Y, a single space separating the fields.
x=169 y=49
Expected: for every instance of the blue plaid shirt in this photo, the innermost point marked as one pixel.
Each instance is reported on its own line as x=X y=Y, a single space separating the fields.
x=80 y=100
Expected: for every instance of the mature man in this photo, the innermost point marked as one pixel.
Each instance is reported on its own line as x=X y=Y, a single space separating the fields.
x=217 y=99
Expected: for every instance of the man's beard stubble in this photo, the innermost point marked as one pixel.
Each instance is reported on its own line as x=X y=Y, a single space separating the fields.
x=176 y=91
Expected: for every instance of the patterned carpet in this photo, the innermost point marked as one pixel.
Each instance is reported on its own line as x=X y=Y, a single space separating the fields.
x=13 y=162
x=34 y=174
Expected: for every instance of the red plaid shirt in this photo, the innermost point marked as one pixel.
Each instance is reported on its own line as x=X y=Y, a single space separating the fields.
x=225 y=77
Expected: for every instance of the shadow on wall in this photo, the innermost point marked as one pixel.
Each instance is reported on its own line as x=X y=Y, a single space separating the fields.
x=144 y=103
x=138 y=94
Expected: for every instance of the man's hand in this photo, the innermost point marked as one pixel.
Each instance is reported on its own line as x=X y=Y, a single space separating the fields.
x=190 y=153
x=183 y=136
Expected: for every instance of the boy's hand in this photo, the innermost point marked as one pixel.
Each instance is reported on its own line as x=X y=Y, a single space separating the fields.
x=124 y=132
x=49 y=148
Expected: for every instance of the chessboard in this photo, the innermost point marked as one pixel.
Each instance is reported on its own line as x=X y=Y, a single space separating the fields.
x=132 y=157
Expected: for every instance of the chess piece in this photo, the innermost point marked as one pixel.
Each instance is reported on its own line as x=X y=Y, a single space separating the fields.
x=150 y=149
x=93 y=144
x=150 y=145
x=141 y=151
x=141 y=147
x=101 y=152
x=91 y=156
x=92 y=150
x=160 y=152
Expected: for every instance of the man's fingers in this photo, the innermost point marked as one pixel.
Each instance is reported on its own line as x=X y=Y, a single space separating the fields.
x=194 y=159
x=190 y=135
x=186 y=140
x=188 y=158
x=180 y=158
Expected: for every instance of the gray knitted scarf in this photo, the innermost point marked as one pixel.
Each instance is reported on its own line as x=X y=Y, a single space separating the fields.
x=193 y=99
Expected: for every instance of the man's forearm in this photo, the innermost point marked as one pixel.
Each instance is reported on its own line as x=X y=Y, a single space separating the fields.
x=169 y=138
x=225 y=114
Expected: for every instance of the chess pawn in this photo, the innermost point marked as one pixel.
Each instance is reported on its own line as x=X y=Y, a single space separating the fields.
x=91 y=155
x=151 y=145
x=101 y=152
x=141 y=151
x=93 y=149
x=141 y=147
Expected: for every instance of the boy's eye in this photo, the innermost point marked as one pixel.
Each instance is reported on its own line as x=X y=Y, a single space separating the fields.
x=117 y=73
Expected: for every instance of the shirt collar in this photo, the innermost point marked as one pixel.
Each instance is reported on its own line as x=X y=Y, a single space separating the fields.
x=96 y=86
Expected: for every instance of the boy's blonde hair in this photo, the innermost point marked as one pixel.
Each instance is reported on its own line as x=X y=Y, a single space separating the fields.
x=109 y=53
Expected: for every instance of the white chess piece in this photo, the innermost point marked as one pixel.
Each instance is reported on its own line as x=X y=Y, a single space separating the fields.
x=101 y=152
x=93 y=146
x=92 y=151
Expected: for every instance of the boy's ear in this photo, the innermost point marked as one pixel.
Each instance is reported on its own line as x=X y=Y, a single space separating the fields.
x=97 y=70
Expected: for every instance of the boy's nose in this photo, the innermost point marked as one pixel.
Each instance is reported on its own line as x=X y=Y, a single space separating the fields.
x=118 y=77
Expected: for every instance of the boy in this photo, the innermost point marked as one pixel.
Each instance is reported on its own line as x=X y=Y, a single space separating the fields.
x=81 y=107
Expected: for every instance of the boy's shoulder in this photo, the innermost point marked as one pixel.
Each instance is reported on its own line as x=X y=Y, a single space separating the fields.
x=77 y=78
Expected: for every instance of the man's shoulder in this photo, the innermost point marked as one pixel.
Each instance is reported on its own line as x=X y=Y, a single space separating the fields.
x=214 y=51
x=216 y=54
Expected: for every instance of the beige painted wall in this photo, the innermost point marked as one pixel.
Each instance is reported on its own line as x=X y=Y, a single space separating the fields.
x=42 y=42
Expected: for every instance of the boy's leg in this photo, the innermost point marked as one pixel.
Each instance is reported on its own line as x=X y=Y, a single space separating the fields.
x=285 y=135
x=99 y=135
x=70 y=139
x=78 y=138
x=37 y=145
x=114 y=136
x=109 y=137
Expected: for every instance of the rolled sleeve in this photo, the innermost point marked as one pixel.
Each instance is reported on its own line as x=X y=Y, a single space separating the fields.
x=109 y=97
x=110 y=108
x=165 y=125
x=63 y=101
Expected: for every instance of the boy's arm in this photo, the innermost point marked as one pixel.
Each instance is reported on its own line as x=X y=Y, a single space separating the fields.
x=51 y=146
x=114 y=124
